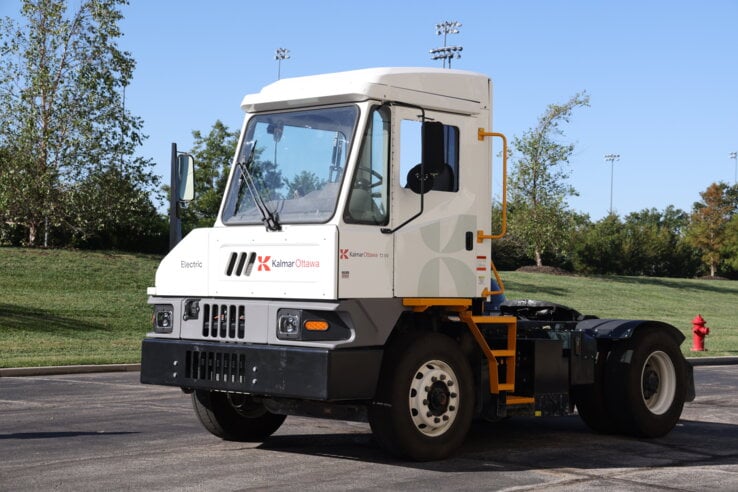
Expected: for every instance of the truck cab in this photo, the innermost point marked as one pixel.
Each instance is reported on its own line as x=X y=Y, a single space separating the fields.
x=347 y=272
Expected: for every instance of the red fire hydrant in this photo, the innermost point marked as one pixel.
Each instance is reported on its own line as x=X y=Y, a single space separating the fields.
x=699 y=332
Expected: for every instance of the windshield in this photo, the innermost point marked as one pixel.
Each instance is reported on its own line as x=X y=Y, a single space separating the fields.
x=293 y=163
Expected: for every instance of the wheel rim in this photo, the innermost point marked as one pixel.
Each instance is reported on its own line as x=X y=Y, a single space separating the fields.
x=434 y=398
x=658 y=383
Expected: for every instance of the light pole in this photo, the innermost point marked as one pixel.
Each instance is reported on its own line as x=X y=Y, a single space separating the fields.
x=612 y=158
x=279 y=55
x=447 y=52
x=734 y=156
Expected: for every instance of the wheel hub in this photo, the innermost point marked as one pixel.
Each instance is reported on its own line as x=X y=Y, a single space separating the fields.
x=438 y=398
x=650 y=383
x=433 y=399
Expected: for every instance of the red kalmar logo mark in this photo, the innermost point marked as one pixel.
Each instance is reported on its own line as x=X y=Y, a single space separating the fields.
x=344 y=254
x=263 y=263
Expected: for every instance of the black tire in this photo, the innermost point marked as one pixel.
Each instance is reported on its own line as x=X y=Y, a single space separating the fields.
x=590 y=400
x=646 y=383
x=425 y=398
x=234 y=417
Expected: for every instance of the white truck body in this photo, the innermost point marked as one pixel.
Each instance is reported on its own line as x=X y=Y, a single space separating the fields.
x=347 y=275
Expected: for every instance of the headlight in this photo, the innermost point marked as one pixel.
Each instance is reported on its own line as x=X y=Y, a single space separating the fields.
x=288 y=324
x=309 y=325
x=163 y=318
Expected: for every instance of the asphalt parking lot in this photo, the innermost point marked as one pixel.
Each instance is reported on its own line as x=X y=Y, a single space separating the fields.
x=108 y=432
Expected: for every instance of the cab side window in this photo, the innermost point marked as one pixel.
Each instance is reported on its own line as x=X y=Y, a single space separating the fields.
x=368 y=199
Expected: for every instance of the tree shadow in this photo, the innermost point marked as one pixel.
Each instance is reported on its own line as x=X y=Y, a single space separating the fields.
x=56 y=435
x=712 y=286
x=535 y=290
x=39 y=320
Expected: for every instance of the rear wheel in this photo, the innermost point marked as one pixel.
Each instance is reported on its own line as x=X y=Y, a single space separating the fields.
x=425 y=398
x=647 y=384
x=234 y=417
x=590 y=400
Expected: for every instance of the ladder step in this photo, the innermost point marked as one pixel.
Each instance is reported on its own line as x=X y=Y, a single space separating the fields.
x=520 y=400
x=495 y=319
x=505 y=387
x=503 y=353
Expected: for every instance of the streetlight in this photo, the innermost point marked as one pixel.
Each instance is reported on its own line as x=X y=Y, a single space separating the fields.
x=612 y=158
x=279 y=55
x=447 y=52
x=734 y=156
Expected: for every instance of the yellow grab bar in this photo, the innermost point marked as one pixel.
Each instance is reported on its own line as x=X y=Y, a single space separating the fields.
x=481 y=135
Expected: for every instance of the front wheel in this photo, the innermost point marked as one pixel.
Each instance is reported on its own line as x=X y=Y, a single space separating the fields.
x=425 y=398
x=234 y=417
x=646 y=384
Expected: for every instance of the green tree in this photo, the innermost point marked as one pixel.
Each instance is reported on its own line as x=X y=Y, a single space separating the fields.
x=538 y=186
x=213 y=155
x=62 y=118
x=654 y=244
x=730 y=250
x=599 y=247
x=709 y=220
x=303 y=183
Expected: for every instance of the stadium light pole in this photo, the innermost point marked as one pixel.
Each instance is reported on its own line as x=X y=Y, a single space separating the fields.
x=447 y=52
x=612 y=158
x=279 y=55
x=734 y=156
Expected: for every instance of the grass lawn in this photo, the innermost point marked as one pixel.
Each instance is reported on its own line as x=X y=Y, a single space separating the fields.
x=72 y=307
x=75 y=307
x=675 y=301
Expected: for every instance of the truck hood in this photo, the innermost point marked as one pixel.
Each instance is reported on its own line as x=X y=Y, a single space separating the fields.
x=298 y=262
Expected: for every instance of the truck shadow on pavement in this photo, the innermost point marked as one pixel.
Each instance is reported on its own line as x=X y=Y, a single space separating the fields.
x=544 y=443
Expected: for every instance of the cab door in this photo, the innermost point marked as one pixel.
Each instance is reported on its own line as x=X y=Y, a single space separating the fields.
x=365 y=250
x=435 y=249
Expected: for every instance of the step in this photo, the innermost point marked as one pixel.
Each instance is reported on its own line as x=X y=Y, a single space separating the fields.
x=520 y=400
x=503 y=353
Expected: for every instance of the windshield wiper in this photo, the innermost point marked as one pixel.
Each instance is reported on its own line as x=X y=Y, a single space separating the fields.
x=269 y=218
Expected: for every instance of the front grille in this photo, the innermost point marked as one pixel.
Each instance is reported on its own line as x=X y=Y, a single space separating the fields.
x=215 y=366
x=224 y=321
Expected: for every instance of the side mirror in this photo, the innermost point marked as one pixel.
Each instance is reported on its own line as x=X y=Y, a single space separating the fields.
x=185 y=177
x=421 y=178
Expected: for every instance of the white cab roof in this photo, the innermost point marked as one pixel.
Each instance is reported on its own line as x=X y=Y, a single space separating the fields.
x=433 y=88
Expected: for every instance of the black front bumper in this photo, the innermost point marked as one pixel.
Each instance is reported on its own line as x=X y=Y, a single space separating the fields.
x=268 y=370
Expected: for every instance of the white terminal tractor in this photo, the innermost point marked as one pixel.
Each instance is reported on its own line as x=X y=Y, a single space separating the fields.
x=349 y=275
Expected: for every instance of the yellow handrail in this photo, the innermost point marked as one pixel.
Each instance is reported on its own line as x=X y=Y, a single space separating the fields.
x=481 y=135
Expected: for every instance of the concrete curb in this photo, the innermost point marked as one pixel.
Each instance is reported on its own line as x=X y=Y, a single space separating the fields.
x=55 y=370
x=51 y=370
x=713 y=361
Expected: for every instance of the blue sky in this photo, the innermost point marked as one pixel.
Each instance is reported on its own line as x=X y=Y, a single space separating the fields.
x=662 y=75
